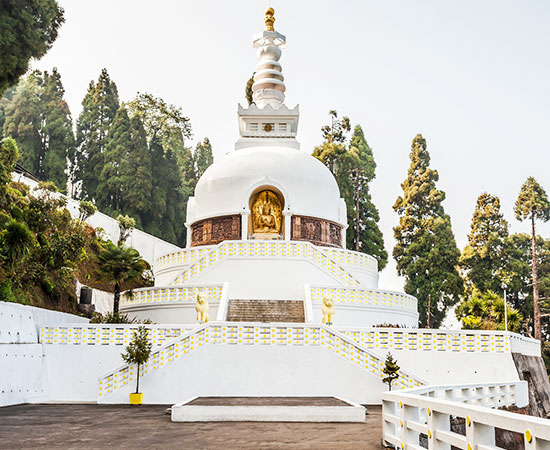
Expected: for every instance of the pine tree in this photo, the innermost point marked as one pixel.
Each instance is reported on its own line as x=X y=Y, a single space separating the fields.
x=110 y=189
x=23 y=120
x=391 y=370
x=38 y=118
x=533 y=204
x=136 y=175
x=354 y=168
x=58 y=130
x=28 y=31
x=484 y=258
x=202 y=157
x=98 y=111
x=363 y=234
x=426 y=251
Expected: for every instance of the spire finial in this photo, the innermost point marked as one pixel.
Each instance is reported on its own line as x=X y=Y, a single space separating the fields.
x=269 y=19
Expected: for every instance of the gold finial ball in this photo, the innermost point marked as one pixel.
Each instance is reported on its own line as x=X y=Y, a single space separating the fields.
x=269 y=19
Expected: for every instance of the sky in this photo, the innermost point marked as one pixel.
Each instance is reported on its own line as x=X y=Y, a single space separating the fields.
x=471 y=76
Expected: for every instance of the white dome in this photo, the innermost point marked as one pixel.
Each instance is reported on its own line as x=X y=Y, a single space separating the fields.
x=308 y=187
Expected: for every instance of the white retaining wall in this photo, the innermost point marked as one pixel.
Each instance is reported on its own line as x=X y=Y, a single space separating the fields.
x=22 y=364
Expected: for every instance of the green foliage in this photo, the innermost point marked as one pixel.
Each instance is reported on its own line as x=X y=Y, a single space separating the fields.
x=125 y=226
x=112 y=317
x=483 y=260
x=29 y=28
x=138 y=351
x=86 y=209
x=533 y=204
x=202 y=158
x=391 y=370
x=425 y=250
x=98 y=111
x=38 y=118
x=248 y=90
x=117 y=265
x=16 y=243
x=8 y=157
x=354 y=167
x=485 y=311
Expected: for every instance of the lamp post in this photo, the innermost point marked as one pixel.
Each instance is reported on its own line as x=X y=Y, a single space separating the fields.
x=505 y=308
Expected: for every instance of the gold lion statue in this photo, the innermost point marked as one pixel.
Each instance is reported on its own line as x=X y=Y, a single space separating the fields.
x=202 y=308
x=328 y=310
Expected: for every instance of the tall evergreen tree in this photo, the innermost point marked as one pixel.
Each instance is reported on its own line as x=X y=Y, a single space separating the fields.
x=426 y=251
x=533 y=204
x=364 y=235
x=110 y=189
x=136 y=175
x=29 y=28
x=484 y=258
x=202 y=157
x=353 y=167
x=23 y=122
x=38 y=118
x=98 y=111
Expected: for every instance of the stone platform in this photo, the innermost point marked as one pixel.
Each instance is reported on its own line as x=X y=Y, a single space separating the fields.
x=267 y=409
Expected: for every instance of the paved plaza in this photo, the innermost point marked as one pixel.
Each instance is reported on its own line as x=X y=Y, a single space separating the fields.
x=90 y=426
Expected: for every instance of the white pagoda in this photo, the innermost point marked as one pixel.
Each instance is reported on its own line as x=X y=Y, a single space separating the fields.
x=266 y=230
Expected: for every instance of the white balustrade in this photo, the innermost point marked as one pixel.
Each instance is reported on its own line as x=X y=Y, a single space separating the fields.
x=107 y=334
x=421 y=339
x=351 y=258
x=169 y=294
x=266 y=249
x=232 y=333
x=428 y=411
x=361 y=296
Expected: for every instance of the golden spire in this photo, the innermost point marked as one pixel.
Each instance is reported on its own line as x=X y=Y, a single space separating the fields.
x=269 y=19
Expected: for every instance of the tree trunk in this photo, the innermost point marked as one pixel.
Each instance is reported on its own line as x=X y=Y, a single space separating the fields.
x=356 y=210
x=137 y=384
x=536 y=306
x=117 y=298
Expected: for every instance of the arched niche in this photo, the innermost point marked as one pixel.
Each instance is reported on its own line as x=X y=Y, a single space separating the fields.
x=266 y=220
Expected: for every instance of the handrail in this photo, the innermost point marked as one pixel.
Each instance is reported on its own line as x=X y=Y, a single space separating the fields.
x=260 y=249
x=409 y=413
x=245 y=333
x=157 y=294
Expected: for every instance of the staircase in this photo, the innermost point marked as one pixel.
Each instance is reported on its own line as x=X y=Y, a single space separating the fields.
x=265 y=311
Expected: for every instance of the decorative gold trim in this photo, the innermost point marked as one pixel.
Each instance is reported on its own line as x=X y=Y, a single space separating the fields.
x=269 y=19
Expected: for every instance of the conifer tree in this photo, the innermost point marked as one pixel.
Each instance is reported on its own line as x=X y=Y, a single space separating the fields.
x=533 y=204
x=484 y=258
x=38 y=118
x=426 y=251
x=98 y=111
x=391 y=370
x=110 y=189
x=202 y=157
x=363 y=234
x=136 y=175
x=29 y=29
x=354 y=168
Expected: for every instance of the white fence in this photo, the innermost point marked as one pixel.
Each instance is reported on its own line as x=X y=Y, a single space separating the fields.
x=171 y=294
x=428 y=410
x=366 y=297
x=422 y=339
x=247 y=334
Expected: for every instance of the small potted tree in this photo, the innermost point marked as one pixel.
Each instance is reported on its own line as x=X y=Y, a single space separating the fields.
x=138 y=353
x=391 y=370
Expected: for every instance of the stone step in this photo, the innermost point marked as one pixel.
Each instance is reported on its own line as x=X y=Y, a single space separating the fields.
x=265 y=311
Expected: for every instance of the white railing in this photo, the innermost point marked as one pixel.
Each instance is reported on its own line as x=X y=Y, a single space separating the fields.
x=224 y=302
x=428 y=410
x=442 y=340
x=182 y=257
x=340 y=256
x=351 y=258
x=266 y=249
x=107 y=334
x=361 y=296
x=246 y=334
x=170 y=294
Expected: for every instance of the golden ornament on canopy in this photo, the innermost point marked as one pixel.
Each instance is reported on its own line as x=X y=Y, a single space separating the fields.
x=269 y=19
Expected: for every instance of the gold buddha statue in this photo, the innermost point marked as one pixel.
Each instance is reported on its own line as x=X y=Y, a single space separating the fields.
x=266 y=214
